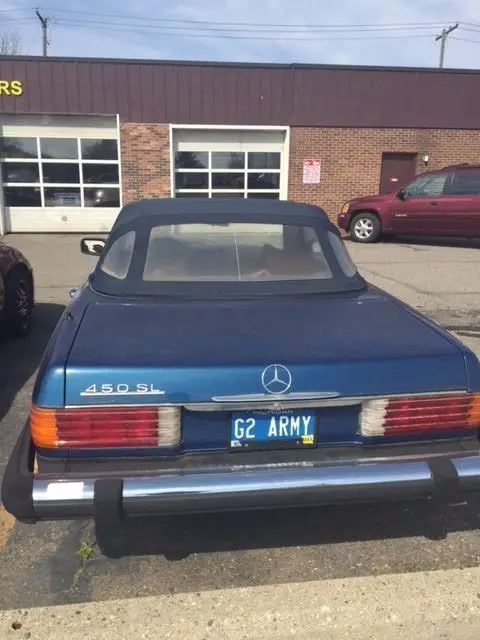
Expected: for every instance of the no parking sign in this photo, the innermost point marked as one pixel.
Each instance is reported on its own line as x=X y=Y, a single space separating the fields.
x=311 y=171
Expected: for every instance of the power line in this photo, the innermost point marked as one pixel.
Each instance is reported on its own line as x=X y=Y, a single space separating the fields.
x=15 y=10
x=221 y=30
x=246 y=24
x=225 y=34
x=176 y=27
x=16 y=20
x=388 y=26
x=470 y=24
x=465 y=39
x=470 y=29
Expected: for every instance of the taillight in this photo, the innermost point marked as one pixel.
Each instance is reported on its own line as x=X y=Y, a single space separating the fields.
x=417 y=414
x=98 y=427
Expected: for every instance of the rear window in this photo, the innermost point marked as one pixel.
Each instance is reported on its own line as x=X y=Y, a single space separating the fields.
x=117 y=261
x=231 y=252
x=342 y=255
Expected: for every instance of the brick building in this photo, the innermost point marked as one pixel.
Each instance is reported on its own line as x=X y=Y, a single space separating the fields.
x=80 y=137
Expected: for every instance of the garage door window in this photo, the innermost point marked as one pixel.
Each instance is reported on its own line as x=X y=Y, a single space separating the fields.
x=18 y=147
x=58 y=148
x=59 y=172
x=227 y=174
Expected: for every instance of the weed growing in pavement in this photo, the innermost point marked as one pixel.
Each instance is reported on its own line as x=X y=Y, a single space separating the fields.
x=85 y=552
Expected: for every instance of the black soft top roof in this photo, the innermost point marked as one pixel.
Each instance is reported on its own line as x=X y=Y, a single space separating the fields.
x=141 y=216
x=220 y=206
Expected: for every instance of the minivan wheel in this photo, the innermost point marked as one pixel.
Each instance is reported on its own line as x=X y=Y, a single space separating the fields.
x=365 y=227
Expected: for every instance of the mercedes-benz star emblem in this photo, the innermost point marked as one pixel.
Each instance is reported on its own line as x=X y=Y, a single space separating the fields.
x=276 y=379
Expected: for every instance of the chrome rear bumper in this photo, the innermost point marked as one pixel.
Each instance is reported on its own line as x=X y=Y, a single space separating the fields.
x=31 y=498
x=237 y=489
x=257 y=487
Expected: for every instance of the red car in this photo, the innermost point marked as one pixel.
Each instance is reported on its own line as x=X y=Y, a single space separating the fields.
x=445 y=202
x=16 y=291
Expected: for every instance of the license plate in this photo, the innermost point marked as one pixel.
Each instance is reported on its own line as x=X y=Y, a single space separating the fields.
x=273 y=429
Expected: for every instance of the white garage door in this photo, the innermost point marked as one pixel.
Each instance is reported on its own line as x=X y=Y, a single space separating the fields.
x=214 y=163
x=59 y=173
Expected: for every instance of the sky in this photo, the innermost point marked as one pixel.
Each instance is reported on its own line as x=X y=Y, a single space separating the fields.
x=397 y=32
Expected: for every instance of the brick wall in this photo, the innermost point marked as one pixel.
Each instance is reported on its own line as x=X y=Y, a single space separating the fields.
x=145 y=152
x=351 y=158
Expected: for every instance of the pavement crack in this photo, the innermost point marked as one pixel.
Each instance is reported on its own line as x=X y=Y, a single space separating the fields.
x=70 y=563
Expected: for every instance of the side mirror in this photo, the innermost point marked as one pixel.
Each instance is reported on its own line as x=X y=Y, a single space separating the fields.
x=401 y=194
x=92 y=246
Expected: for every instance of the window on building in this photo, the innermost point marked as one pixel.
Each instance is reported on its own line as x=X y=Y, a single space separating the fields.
x=227 y=174
x=191 y=180
x=265 y=196
x=62 y=197
x=101 y=197
x=59 y=148
x=228 y=160
x=191 y=160
x=262 y=160
x=262 y=181
x=228 y=180
x=18 y=148
x=99 y=149
x=21 y=172
x=22 y=196
x=60 y=172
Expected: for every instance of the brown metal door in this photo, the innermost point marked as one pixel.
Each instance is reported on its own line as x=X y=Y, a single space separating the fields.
x=397 y=170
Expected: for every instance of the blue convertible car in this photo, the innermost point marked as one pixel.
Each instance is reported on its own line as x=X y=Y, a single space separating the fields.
x=218 y=359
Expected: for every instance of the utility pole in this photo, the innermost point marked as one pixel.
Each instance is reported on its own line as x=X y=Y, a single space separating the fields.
x=44 y=22
x=443 y=38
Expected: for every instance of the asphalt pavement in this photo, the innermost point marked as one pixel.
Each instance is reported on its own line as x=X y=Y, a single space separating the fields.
x=58 y=563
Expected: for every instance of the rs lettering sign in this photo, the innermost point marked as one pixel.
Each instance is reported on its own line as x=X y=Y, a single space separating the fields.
x=11 y=88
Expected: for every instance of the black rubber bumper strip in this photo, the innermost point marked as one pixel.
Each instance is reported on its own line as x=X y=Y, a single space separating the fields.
x=445 y=476
x=108 y=503
x=17 y=484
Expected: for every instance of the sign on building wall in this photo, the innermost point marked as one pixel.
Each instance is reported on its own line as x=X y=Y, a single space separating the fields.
x=11 y=88
x=311 y=171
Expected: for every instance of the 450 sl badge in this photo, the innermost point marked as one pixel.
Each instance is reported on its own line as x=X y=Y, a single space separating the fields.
x=122 y=389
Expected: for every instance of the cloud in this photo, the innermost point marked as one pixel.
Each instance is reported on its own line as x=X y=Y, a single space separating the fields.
x=360 y=47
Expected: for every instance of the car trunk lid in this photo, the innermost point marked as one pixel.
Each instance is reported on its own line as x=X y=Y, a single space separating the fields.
x=191 y=352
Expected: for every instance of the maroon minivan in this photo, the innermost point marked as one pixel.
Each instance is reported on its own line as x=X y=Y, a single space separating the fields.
x=445 y=202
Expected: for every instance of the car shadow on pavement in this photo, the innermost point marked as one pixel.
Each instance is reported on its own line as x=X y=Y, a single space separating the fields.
x=429 y=241
x=179 y=536
x=19 y=358
x=459 y=243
